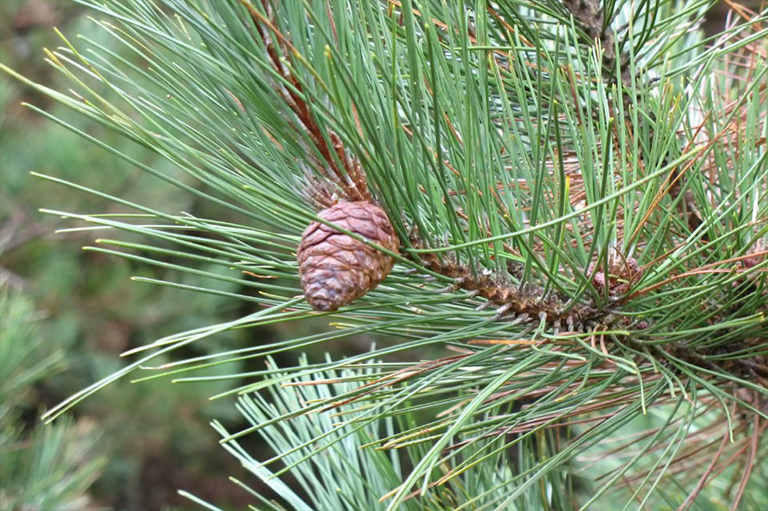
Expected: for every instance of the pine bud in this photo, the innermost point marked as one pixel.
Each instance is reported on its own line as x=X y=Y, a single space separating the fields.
x=336 y=269
x=621 y=275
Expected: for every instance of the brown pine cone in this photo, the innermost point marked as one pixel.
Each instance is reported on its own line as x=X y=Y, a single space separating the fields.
x=336 y=269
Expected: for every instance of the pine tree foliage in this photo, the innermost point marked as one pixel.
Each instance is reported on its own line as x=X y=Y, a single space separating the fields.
x=50 y=467
x=580 y=194
x=352 y=475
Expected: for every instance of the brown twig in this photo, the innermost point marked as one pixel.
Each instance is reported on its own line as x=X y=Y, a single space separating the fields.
x=591 y=18
x=349 y=176
x=750 y=462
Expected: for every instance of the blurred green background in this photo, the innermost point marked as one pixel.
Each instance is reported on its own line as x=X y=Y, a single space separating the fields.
x=66 y=314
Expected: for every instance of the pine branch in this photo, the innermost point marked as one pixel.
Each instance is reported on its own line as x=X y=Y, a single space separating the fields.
x=523 y=303
x=508 y=167
x=591 y=18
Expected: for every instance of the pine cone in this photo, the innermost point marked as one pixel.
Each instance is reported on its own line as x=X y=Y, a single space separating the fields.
x=336 y=269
